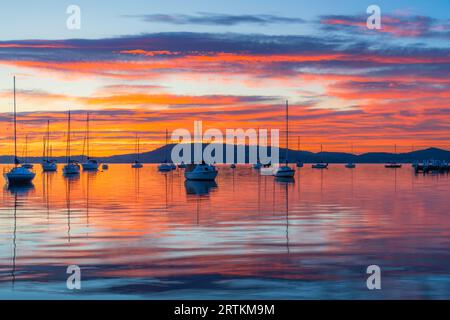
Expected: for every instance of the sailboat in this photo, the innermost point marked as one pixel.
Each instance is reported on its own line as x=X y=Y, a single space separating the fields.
x=165 y=166
x=72 y=167
x=351 y=165
x=26 y=164
x=286 y=171
x=393 y=164
x=48 y=165
x=320 y=165
x=18 y=174
x=299 y=163
x=136 y=164
x=258 y=163
x=200 y=171
x=90 y=164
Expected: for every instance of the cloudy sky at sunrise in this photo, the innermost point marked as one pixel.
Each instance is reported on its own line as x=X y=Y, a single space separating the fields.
x=144 y=66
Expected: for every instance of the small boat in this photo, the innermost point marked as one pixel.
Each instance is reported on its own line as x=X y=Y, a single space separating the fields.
x=432 y=166
x=233 y=166
x=166 y=166
x=351 y=165
x=105 y=166
x=285 y=171
x=72 y=167
x=200 y=172
x=182 y=165
x=393 y=164
x=18 y=175
x=89 y=164
x=267 y=171
x=299 y=163
x=257 y=166
x=137 y=164
x=48 y=165
x=26 y=165
x=320 y=166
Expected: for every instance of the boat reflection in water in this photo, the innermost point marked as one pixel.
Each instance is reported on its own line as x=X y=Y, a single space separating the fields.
x=20 y=189
x=286 y=180
x=143 y=234
x=199 y=188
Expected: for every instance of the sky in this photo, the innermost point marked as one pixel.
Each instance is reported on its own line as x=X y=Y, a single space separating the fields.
x=144 y=66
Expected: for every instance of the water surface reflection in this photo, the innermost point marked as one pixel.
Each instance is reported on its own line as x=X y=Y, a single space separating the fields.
x=138 y=233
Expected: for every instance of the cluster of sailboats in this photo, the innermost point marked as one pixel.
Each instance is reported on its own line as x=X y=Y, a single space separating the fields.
x=23 y=173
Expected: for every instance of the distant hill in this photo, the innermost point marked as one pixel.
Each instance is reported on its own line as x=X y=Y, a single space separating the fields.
x=158 y=155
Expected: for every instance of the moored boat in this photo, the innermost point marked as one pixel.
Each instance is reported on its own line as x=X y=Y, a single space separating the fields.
x=285 y=171
x=201 y=172
x=72 y=167
x=18 y=175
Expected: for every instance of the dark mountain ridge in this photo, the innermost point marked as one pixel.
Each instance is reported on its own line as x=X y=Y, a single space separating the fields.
x=158 y=155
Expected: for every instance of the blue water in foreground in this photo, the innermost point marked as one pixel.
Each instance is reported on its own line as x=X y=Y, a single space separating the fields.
x=140 y=234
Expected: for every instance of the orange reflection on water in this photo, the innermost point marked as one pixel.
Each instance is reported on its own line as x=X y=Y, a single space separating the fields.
x=324 y=227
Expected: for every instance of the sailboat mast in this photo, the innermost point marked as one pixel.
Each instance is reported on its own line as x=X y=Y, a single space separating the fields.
x=26 y=148
x=16 y=161
x=166 y=146
x=44 y=148
x=68 y=139
x=48 y=139
x=87 y=136
x=287 y=131
x=138 y=149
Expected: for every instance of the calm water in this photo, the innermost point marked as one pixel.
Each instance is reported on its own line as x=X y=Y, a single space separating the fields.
x=142 y=234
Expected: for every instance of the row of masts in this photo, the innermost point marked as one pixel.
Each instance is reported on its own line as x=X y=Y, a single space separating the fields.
x=201 y=171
